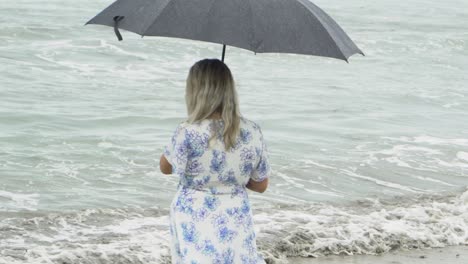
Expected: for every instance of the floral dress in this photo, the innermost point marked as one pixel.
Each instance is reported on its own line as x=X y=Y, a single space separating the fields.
x=210 y=216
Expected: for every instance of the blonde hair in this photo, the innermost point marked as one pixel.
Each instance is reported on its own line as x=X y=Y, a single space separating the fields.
x=210 y=88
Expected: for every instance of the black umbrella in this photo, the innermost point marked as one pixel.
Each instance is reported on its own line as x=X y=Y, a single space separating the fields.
x=280 y=26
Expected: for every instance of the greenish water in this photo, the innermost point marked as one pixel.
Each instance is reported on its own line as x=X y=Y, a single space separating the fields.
x=84 y=118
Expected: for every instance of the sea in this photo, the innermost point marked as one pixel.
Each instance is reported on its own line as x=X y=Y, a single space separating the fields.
x=367 y=157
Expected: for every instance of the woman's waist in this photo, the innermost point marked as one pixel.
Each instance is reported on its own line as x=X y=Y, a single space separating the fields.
x=214 y=189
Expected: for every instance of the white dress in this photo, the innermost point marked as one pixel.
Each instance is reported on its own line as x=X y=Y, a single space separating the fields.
x=210 y=215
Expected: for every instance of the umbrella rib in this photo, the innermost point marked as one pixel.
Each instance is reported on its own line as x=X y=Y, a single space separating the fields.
x=143 y=33
x=312 y=12
x=208 y=17
x=252 y=26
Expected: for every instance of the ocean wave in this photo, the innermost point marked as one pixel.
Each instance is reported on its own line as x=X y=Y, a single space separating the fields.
x=141 y=235
x=372 y=226
x=19 y=201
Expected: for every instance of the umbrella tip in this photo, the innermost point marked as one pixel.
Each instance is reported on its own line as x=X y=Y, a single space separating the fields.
x=360 y=52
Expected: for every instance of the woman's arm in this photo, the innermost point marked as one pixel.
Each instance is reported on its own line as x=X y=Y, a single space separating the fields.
x=257 y=186
x=164 y=165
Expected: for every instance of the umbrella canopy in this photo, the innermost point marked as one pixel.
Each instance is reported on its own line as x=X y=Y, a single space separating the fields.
x=261 y=26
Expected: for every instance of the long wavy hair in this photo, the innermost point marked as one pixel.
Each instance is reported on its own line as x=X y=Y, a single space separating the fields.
x=210 y=88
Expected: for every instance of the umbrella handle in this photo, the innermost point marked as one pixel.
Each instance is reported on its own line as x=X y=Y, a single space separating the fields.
x=117 y=19
x=224 y=51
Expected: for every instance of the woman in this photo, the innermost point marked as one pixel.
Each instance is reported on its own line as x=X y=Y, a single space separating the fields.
x=217 y=154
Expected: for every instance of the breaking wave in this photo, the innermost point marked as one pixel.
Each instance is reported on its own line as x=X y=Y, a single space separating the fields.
x=141 y=235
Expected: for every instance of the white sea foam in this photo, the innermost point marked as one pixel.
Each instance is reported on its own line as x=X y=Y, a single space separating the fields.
x=373 y=227
x=420 y=153
x=18 y=201
x=462 y=156
x=441 y=141
x=136 y=235
x=452 y=164
x=118 y=50
x=382 y=182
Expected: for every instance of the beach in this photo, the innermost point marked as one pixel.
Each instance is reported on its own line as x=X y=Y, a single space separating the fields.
x=449 y=255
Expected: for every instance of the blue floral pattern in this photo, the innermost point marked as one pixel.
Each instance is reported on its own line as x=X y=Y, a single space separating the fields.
x=210 y=215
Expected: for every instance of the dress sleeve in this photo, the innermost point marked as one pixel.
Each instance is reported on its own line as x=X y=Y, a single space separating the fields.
x=262 y=169
x=176 y=152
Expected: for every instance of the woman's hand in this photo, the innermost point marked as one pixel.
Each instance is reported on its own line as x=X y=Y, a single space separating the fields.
x=257 y=186
x=164 y=165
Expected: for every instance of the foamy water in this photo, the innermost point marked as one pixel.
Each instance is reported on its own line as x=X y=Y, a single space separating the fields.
x=367 y=157
x=141 y=235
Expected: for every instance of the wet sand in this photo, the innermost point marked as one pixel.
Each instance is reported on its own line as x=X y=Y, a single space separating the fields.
x=447 y=255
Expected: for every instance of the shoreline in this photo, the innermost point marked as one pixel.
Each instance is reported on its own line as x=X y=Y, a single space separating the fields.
x=450 y=254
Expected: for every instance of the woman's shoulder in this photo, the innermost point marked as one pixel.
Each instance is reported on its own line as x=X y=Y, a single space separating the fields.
x=183 y=127
x=245 y=123
x=193 y=127
x=184 y=124
x=249 y=124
